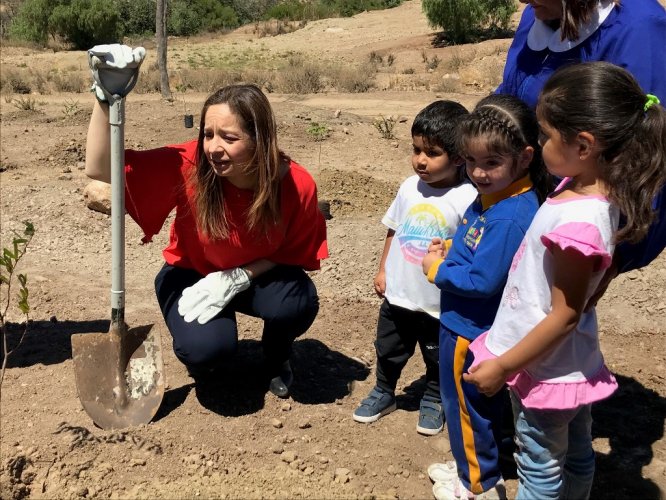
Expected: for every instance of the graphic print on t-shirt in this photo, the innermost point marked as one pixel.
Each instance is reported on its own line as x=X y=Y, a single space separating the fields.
x=423 y=223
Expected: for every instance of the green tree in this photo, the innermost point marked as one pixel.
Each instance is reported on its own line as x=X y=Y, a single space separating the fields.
x=220 y=16
x=136 y=17
x=189 y=17
x=85 y=23
x=31 y=23
x=461 y=20
x=252 y=10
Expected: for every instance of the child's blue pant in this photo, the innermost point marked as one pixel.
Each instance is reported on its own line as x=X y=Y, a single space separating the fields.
x=472 y=419
x=555 y=457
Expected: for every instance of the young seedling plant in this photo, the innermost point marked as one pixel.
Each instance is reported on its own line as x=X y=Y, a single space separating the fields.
x=318 y=132
x=10 y=278
x=384 y=126
x=70 y=108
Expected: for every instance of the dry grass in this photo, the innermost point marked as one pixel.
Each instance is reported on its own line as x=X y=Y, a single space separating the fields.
x=29 y=80
x=355 y=80
x=206 y=70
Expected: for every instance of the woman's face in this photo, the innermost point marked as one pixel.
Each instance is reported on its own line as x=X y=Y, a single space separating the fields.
x=546 y=10
x=228 y=149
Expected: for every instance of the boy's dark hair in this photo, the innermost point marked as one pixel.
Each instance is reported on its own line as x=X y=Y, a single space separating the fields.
x=607 y=102
x=438 y=124
x=508 y=126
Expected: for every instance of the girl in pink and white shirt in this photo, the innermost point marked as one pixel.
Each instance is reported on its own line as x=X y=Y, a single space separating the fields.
x=606 y=139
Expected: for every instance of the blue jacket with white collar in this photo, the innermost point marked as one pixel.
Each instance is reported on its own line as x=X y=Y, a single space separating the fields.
x=632 y=36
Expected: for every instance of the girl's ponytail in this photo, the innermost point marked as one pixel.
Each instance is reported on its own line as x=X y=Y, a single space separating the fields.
x=634 y=188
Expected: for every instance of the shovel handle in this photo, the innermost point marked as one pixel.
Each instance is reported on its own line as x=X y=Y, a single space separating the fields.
x=117 y=126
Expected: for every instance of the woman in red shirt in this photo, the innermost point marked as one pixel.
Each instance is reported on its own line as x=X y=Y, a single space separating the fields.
x=247 y=225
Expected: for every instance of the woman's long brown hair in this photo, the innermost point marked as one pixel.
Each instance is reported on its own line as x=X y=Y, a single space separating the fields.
x=254 y=113
x=575 y=13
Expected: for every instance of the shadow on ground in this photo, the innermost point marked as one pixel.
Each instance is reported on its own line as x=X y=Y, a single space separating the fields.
x=632 y=419
x=46 y=342
x=321 y=376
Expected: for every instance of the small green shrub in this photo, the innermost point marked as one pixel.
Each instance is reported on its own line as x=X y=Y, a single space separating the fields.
x=318 y=131
x=385 y=126
x=10 y=278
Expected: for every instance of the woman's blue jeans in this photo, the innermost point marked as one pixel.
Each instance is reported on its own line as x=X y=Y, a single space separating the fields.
x=555 y=457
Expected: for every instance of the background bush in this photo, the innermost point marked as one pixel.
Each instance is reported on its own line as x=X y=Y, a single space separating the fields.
x=85 y=23
x=462 y=20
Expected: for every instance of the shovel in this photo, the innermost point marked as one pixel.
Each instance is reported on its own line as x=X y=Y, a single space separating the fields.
x=119 y=374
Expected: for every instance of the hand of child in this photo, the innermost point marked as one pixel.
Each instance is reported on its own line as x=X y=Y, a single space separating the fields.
x=436 y=246
x=429 y=260
x=380 y=283
x=488 y=376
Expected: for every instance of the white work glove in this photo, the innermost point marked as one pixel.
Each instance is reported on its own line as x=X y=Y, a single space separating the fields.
x=207 y=297
x=114 y=68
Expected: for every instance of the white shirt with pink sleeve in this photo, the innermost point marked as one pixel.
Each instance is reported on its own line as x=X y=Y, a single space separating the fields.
x=573 y=373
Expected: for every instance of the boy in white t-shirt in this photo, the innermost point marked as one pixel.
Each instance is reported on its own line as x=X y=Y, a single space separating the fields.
x=429 y=204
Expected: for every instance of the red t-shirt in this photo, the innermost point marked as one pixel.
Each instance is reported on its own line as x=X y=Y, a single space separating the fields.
x=156 y=184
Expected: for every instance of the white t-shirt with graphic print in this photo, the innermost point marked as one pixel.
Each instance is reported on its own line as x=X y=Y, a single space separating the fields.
x=418 y=214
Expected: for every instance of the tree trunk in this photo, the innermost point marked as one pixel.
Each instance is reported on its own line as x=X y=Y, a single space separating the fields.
x=161 y=36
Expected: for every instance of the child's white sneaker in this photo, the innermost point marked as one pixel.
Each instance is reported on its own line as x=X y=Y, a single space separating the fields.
x=441 y=472
x=453 y=489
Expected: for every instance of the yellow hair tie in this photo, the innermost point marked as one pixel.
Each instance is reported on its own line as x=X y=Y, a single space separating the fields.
x=651 y=101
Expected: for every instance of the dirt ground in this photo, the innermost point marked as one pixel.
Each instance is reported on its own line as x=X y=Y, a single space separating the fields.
x=230 y=438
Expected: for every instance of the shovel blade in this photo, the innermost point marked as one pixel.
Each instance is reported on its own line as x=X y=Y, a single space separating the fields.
x=119 y=375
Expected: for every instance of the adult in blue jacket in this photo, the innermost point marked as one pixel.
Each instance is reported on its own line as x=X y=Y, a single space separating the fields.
x=629 y=33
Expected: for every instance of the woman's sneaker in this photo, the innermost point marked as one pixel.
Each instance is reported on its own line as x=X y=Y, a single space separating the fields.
x=431 y=420
x=376 y=405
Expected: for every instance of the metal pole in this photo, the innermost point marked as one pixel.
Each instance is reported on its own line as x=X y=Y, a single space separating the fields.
x=116 y=120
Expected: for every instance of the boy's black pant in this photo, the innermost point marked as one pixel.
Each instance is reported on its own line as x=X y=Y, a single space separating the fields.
x=398 y=331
